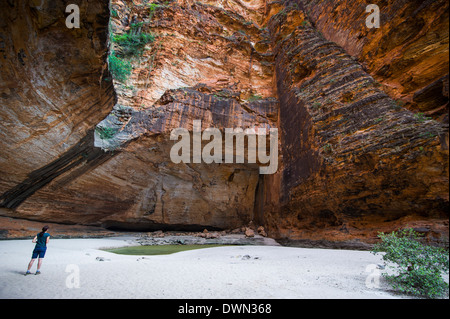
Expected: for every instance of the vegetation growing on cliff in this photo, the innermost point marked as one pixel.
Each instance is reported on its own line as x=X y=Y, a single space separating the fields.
x=125 y=46
x=106 y=133
x=132 y=43
x=120 y=68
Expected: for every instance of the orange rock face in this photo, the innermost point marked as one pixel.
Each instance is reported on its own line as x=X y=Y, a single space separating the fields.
x=53 y=83
x=408 y=54
x=354 y=162
x=207 y=70
x=353 y=157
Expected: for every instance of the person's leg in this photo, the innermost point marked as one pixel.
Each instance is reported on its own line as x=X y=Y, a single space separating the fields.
x=39 y=264
x=40 y=260
x=31 y=264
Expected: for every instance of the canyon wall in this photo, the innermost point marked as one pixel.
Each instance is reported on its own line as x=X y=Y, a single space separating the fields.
x=362 y=115
x=355 y=162
x=408 y=54
x=207 y=70
x=52 y=82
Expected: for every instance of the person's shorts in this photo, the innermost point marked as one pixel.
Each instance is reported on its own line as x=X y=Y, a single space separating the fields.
x=38 y=251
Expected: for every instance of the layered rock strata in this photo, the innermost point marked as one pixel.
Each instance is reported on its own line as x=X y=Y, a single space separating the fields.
x=54 y=89
x=354 y=161
x=408 y=54
x=206 y=71
x=354 y=158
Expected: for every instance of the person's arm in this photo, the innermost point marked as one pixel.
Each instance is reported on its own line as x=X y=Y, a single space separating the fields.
x=48 y=239
x=34 y=239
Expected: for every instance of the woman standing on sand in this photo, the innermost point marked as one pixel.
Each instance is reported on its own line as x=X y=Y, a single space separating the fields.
x=41 y=241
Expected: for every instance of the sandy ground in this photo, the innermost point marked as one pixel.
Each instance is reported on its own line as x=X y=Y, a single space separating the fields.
x=71 y=269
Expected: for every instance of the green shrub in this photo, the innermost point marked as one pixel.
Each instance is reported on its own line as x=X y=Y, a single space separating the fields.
x=418 y=268
x=132 y=43
x=106 y=133
x=255 y=97
x=153 y=6
x=317 y=105
x=327 y=148
x=120 y=69
x=421 y=117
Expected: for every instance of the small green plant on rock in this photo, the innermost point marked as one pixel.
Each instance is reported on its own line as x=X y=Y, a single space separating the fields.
x=305 y=23
x=327 y=149
x=255 y=97
x=120 y=69
x=421 y=117
x=106 y=133
x=132 y=43
x=418 y=268
x=317 y=105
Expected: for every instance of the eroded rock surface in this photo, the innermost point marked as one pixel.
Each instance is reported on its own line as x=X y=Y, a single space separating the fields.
x=408 y=54
x=354 y=161
x=362 y=116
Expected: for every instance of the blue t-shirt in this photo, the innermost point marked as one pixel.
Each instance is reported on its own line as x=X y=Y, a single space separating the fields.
x=42 y=240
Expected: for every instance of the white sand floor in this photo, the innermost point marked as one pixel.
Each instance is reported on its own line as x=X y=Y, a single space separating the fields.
x=71 y=269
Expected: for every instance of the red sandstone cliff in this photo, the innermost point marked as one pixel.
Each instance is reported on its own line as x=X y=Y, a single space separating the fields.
x=356 y=157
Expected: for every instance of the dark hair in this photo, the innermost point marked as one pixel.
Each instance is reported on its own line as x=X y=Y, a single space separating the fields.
x=44 y=229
